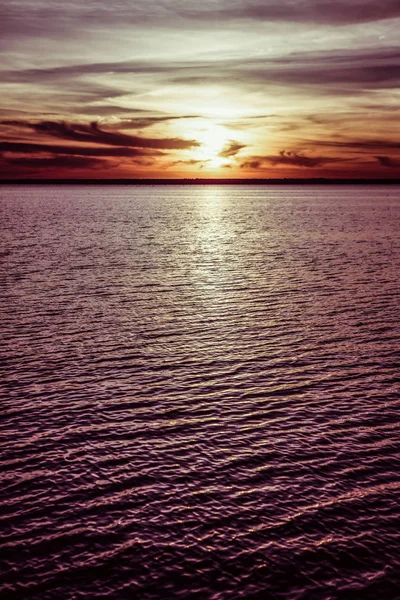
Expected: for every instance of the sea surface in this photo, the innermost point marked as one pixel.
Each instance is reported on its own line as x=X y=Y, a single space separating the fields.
x=200 y=392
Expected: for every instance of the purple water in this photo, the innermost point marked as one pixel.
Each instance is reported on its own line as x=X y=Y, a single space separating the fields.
x=200 y=392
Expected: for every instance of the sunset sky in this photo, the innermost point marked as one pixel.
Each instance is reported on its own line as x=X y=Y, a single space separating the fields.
x=217 y=88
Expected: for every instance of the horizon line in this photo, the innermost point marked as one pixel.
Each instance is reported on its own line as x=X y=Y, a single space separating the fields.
x=203 y=181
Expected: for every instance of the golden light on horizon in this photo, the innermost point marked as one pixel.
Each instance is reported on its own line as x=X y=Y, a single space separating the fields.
x=212 y=139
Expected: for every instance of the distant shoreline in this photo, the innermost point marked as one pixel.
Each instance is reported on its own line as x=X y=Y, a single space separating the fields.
x=200 y=181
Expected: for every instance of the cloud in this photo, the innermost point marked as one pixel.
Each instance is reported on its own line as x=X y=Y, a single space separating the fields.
x=302 y=11
x=63 y=162
x=298 y=160
x=104 y=110
x=365 y=62
x=288 y=157
x=93 y=134
x=143 y=122
x=334 y=72
x=33 y=148
x=358 y=144
x=251 y=164
x=231 y=149
x=69 y=72
x=190 y=162
x=23 y=18
x=387 y=161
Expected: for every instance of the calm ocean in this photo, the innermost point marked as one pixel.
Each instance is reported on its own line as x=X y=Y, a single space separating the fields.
x=200 y=392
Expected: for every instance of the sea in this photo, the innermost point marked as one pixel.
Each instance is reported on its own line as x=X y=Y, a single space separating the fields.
x=200 y=392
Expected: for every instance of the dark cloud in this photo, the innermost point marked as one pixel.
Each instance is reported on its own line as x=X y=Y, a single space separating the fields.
x=358 y=144
x=36 y=18
x=298 y=160
x=339 y=71
x=98 y=110
x=390 y=108
x=231 y=149
x=191 y=162
x=336 y=72
x=8 y=113
x=58 y=162
x=251 y=164
x=32 y=148
x=12 y=123
x=287 y=157
x=66 y=85
x=91 y=133
x=302 y=11
x=387 y=161
x=70 y=72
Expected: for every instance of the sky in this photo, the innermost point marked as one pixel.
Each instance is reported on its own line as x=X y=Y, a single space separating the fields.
x=217 y=88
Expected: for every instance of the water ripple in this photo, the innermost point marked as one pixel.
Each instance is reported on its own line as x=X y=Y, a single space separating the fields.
x=200 y=393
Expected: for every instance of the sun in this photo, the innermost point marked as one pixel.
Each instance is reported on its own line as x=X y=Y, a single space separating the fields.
x=212 y=140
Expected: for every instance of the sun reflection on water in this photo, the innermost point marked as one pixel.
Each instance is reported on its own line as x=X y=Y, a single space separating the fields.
x=212 y=244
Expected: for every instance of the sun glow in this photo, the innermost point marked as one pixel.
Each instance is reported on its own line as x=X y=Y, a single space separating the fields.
x=212 y=139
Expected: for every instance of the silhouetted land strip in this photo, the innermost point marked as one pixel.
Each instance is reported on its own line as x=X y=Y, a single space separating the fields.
x=201 y=181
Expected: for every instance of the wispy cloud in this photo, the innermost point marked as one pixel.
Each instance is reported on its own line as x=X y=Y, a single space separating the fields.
x=352 y=67
x=92 y=133
x=387 y=161
x=72 y=16
x=144 y=122
x=304 y=11
x=78 y=150
x=288 y=157
x=231 y=149
x=191 y=163
x=58 y=162
x=359 y=144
